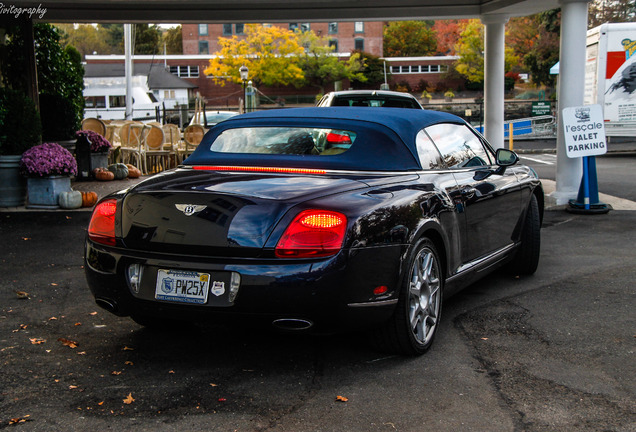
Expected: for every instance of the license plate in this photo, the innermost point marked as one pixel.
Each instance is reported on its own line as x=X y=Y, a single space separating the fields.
x=182 y=286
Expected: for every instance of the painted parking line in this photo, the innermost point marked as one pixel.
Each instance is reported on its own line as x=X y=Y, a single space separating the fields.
x=537 y=160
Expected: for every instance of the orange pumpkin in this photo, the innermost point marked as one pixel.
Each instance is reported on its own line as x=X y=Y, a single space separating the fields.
x=133 y=171
x=103 y=174
x=89 y=199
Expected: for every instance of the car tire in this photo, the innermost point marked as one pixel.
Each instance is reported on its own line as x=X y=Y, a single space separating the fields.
x=526 y=259
x=412 y=328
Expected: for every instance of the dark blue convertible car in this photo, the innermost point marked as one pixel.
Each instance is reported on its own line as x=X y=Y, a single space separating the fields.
x=318 y=219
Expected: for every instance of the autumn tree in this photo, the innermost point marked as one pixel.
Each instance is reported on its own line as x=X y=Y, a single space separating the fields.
x=272 y=55
x=470 y=49
x=447 y=35
x=409 y=39
x=373 y=69
x=86 y=38
x=545 y=50
x=321 y=67
x=173 y=40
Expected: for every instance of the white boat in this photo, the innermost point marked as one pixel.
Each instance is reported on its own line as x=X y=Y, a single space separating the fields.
x=105 y=98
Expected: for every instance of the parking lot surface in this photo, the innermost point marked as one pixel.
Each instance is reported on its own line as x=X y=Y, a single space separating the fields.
x=555 y=351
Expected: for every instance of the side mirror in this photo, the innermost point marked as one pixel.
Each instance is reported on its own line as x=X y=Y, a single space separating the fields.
x=505 y=157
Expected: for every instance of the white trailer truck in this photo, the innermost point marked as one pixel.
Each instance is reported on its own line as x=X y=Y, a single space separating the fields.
x=610 y=76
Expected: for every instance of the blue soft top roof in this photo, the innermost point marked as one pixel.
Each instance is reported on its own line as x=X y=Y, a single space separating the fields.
x=390 y=140
x=405 y=122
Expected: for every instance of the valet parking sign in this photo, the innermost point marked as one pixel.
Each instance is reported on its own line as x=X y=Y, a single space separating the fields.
x=584 y=131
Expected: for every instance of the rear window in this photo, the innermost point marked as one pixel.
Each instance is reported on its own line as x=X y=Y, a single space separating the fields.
x=284 y=141
x=375 y=101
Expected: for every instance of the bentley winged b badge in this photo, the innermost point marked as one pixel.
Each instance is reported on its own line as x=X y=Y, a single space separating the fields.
x=190 y=209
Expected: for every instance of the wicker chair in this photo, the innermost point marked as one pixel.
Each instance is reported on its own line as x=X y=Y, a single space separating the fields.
x=172 y=141
x=192 y=135
x=156 y=158
x=95 y=125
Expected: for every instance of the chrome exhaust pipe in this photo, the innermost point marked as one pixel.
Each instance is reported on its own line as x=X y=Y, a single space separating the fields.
x=292 y=324
x=109 y=305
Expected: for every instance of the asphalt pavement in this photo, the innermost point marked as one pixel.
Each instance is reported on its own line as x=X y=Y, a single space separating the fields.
x=555 y=351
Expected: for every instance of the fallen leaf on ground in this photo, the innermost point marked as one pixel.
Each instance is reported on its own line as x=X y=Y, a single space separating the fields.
x=129 y=399
x=100 y=403
x=127 y=349
x=93 y=313
x=341 y=399
x=18 y=420
x=68 y=343
x=129 y=363
x=81 y=353
x=78 y=323
x=213 y=385
x=22 y=327
x=22 y=295
x=37 y=341
x=52 y=318
x=72 y=387
x=53 y=284
x=115 y=373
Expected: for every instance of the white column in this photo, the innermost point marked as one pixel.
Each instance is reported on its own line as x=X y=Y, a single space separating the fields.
x=128 y=70
x=494 y=76
x=570 y=92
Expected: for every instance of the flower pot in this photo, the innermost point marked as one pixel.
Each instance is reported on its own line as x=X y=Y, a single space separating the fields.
x=12 y=184
x=43 y=192
x=99 y=160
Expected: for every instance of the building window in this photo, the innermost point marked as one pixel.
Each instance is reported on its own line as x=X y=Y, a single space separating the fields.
x=333 y=43
x=434 y=68
x=333 y=28
x=240 y=29
x=185 y=71
x=117 y=101
x=227 y=29
x=395 y=69
x=95 y=101
x=203 y=29
x=424 y=68
x=303 y=27
x=168 y=94
x=359 y=44
x=358 y=27
x=203 y=47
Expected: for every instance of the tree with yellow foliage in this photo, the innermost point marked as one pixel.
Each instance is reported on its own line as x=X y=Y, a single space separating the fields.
x=272 y=55
x=470 y=49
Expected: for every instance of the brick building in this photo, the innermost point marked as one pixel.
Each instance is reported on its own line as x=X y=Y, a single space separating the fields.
x=344 y=36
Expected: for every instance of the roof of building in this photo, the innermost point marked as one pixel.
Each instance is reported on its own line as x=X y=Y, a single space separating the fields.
x=158 y=76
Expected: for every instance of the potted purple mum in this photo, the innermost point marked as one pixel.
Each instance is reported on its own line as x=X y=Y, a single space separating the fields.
x=48 y=168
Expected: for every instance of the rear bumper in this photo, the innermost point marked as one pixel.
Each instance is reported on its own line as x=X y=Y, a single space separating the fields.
x=333 y=293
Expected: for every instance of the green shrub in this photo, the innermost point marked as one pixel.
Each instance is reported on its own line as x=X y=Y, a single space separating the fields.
x=20 y=126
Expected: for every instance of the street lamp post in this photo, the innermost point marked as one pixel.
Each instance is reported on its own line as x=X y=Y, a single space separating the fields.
x=243 y=71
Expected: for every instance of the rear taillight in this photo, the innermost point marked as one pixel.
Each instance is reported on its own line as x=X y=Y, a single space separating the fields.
x=313 y=233
x=102 y=226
